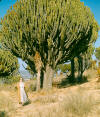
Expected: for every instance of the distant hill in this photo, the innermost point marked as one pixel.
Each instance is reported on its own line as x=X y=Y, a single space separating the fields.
x=25 y=74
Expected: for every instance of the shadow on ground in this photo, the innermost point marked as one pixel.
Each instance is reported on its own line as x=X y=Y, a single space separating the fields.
x=67 y=82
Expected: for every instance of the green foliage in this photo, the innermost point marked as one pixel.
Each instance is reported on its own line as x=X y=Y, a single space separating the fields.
x=33 y=73
x=97 y=53
x=87 y=56
x=32 y=87
x=3 y=114
x=8 y=63
x=98 y=72
x=10 y=79
x=98 y=69
x=64 y=68
x=56 y=29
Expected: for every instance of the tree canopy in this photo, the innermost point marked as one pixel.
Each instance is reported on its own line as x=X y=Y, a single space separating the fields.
x=97 y=53
x=48 y=33
x=64 y=68
x=8 y=63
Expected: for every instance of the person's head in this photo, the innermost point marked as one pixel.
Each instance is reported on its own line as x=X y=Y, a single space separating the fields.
x=21 y=79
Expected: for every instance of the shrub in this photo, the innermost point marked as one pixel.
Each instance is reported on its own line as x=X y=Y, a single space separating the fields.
x=3 y=114
x=98 y=71
x=10 y=79
x=30 y=85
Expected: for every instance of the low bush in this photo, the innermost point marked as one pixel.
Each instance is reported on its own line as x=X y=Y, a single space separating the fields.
x=10 y=79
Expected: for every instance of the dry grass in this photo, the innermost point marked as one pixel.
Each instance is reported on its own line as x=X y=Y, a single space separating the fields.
x=77 y=101
x=91 y=74
x=6 y=104
x=78 y=104
x=46 y=99
x=7 y=87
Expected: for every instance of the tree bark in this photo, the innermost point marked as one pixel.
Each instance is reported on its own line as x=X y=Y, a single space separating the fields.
x=80 y=68
x=72 y=79
x=48 y=77
x=41 y=78
x=38 y=81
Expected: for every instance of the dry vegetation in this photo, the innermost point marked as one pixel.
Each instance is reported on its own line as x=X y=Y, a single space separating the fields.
x=75 y=101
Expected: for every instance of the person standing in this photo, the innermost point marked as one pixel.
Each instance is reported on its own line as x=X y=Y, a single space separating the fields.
x=21 y=92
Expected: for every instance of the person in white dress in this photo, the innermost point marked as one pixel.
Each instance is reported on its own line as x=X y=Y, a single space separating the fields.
x=21 y=92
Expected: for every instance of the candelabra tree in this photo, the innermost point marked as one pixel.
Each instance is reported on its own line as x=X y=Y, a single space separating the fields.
x=46 y=33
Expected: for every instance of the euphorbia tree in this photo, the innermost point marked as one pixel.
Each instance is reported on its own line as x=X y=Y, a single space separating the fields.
x=97 y=53
x=8 y=63
x=84 y=59
x=46 y=33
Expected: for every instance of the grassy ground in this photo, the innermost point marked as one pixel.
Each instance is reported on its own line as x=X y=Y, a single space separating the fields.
x=79 y=100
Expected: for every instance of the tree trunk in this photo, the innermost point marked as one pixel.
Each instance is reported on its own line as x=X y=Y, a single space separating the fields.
x=41 y=78
x=38 y=81
x=72 y=79
x=80 y=68
x=48 y=77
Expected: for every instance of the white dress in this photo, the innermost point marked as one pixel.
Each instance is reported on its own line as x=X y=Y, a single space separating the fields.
x=22 y=93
